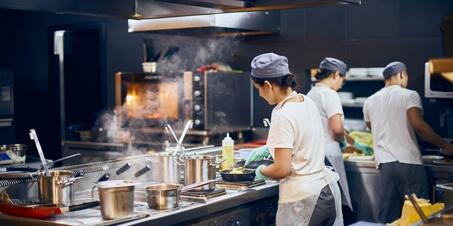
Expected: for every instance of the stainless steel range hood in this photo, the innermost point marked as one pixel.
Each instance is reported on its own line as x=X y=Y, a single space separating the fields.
x=244 y=17
x=240 y=23
x=149 y=9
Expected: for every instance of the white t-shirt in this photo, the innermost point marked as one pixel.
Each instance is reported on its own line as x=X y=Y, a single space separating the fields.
x=394 y=138
x=329 y=104
x=297 y=126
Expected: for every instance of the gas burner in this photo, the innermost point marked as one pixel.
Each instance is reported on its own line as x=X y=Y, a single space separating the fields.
x=202 y=196
x=239 y=185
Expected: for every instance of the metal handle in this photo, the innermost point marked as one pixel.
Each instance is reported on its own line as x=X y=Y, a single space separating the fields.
x=192 y=186
x=34 y=137
x=413 y=200
x=68 y=181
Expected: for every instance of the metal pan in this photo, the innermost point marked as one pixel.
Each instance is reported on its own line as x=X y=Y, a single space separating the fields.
x=246 y=175
x=42 y=211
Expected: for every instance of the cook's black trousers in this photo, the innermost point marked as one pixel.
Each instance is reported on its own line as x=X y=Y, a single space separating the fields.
x=396 y=180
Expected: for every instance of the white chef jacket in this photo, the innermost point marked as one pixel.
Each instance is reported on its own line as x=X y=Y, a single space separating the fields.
x=329 y=104
x=393 y=137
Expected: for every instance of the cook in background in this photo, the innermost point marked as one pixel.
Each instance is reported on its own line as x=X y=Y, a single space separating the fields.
x=394 y=115
x=330 y=77
x=308 y=191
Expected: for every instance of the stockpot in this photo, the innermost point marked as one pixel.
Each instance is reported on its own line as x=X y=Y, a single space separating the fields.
x=117 y=198
x=57 y=188
x=200 y=168
x=165 y=168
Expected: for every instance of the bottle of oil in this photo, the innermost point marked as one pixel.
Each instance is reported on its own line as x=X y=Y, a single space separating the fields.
x=227 y=152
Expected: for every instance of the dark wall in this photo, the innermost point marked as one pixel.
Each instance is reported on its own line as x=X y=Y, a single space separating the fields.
x=24 y=47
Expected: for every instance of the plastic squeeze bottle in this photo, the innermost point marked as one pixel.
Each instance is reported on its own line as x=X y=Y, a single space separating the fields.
x=227 y=152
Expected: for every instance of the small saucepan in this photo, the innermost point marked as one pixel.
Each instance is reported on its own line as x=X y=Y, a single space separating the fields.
x=166 y=196
x=238 y=175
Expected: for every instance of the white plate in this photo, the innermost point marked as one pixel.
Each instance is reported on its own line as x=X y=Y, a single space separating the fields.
x=432 y=157
x=361 y=158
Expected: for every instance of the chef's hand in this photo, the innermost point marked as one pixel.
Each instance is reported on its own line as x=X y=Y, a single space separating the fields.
x=364 y=148
x=258 y=154
x=258 y=174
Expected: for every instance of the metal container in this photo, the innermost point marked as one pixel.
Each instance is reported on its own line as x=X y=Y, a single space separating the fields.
x=163 y=196
x=199 y=168
x=57 y=188
x=165 y=169
x=444 y=193
x=117 y=198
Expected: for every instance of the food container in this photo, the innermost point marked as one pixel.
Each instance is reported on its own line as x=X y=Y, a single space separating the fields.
x=57 y=188
x=117 y=198
x=13 y=153
x=165 y=169
x=200 y=168
x=163 y=196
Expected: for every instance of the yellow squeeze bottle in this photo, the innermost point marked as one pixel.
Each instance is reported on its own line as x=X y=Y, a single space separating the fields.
x=227 y=152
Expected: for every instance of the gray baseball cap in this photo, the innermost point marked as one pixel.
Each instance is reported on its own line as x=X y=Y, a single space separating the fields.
x=332 y=64
x=269 y=65
x=393 y=69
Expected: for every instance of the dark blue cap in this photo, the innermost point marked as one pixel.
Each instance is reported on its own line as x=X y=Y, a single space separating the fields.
x=269 y=65
x=393 y=69
x=333 y=64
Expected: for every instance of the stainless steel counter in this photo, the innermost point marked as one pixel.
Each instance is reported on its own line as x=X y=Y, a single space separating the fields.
x=185 y=213
x=363 y=179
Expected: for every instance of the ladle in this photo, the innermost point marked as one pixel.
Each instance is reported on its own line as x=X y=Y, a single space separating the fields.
x=34 y=137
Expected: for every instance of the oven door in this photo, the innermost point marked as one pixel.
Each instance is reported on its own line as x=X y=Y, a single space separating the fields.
x=151 y=100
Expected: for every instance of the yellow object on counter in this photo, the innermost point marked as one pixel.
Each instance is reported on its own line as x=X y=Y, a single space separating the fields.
x=227 y=153
x=410 y=216
x=365 y=138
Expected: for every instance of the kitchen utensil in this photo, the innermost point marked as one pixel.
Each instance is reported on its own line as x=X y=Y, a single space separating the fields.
x=246 y=175
x=34 y=137
x=199 y=168
x=57 y=188
x=166 y=196
x=42 y=211
x=413 y=200
x=52 y=163
x=117 y=198
x=178 y=145
x=166 y=168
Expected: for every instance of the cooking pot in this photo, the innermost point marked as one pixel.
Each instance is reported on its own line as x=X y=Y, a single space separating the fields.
x=166 y=196
x=117 y=198
x=199 y=168
x=57 y=188
x=165 y=168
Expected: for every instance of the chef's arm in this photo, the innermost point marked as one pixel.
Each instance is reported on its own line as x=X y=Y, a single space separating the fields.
x=336 y=126
x=281 y=167
x=422 y=128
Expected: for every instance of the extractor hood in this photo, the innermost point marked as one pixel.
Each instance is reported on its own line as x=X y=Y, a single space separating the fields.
x=149 y=9
x=240 y=23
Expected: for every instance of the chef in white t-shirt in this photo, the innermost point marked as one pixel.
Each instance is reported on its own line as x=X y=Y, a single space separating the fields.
x=394 y=115
x=330 y=77
x=308 y=191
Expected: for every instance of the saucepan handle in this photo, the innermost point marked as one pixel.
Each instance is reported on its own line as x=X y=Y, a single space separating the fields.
x=192 y=186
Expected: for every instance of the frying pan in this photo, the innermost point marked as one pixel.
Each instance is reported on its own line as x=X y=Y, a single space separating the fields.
x=42 y=211
x=246 y=175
